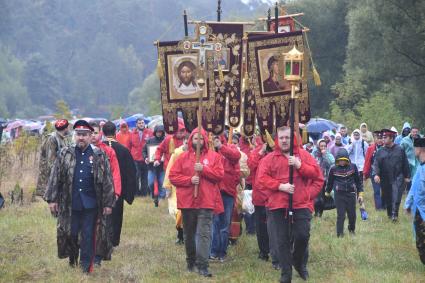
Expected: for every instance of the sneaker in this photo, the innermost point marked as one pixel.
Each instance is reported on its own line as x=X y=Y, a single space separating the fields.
x=276 y=266
x=262 y=256
x=214 y=258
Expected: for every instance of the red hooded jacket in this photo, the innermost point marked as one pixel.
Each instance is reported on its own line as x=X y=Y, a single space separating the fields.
x=259 y=197
x=123 y=136
x=137 y=144
x=212 y=173
x=164 y=147
x=273 y=170
x=115 y=168
x=232 y=172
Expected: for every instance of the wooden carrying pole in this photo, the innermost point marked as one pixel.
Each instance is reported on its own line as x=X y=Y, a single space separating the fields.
x=201 y=83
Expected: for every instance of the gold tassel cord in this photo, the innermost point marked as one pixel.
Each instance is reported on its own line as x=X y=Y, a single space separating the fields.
x=316 y=76
x=159 y=70
x=171 y=146
x=269 y=140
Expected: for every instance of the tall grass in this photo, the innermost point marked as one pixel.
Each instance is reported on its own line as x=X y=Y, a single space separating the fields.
x=379 y=252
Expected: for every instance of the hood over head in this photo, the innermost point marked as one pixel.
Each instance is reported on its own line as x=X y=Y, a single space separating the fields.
x=159 y=128
x=406 y=125
x=342 y=154
x=204 y=135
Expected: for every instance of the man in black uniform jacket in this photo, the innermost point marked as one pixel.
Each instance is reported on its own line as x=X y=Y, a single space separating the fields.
x=392 y=170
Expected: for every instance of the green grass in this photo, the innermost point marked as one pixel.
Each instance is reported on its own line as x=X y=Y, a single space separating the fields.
x=379 y=252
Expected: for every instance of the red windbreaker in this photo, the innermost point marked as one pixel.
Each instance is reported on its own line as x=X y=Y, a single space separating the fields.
x=115 y=168
x=164 y=147
x=123 y=136
x=273 y=170
x=137 y=144
x=183 y=170
x=368 y=161
x=232 y=172
x=259 y=197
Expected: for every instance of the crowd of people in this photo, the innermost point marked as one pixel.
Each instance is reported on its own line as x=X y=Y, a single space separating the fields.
x=86 y=180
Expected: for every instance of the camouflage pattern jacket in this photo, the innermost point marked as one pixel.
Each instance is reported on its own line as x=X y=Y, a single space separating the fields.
x=59 y=189
x=51 y=146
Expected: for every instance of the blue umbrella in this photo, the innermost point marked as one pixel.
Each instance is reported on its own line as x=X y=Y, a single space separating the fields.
x=319 y=125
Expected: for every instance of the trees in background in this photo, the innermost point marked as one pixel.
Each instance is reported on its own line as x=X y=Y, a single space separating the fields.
x=98 y=55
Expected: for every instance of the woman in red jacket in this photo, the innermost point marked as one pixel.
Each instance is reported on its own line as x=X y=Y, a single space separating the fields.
x=197 y=211
x=273 y=176
x=221 y=222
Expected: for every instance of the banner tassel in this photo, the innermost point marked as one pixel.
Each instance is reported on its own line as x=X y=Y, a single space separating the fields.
x=316 y=77
x=269 y=140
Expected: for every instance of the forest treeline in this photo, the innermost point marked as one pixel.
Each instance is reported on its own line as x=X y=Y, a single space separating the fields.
x=99 y=57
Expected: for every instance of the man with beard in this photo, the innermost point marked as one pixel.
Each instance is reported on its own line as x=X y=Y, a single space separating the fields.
x=392 y=171
x=186 y=84
x=138 y=139
x=197 y=211
x=368 y=171
x=156 y=171
x=49 y=152
x=128 y=179
x=273 y=176
x=80 y=193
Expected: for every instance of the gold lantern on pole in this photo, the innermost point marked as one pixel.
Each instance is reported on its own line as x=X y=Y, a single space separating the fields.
x=293 y=62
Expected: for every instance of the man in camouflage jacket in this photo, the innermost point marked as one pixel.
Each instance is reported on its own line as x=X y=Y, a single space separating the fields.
x=50 y=149
x=80 y=192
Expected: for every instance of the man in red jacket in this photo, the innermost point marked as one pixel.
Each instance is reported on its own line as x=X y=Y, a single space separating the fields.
x=273 y=176
x=197 y=212
x=138 y=138
x=259 y=199
x=221 y=223
x=368 y=171
x=168 y=145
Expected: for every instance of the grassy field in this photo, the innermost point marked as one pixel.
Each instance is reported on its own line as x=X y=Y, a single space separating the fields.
x=380 y=251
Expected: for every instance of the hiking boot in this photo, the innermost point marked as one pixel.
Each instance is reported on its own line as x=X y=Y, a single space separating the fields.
x=302 y=272
x=204 y=272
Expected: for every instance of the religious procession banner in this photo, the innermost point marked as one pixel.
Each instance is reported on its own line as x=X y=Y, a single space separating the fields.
x=180 y=89
x=229 y=87
x=180 y=69
x=271 y=93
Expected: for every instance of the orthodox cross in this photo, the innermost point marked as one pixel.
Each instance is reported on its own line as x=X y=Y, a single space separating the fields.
x=202 y=45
